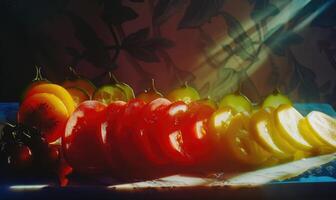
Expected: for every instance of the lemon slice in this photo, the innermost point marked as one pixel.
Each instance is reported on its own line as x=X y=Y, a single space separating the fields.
x=309 y=135
x=323 y=127
x=286 y=121
x=264 y=133
x=240 y=143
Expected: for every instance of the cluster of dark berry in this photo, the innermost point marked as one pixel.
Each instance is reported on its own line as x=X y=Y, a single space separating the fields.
x=24 y=150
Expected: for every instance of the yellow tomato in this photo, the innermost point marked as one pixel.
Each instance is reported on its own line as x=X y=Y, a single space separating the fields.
x=241 y=145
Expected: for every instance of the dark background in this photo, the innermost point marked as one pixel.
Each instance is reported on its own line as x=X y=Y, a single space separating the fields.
x=143 y=39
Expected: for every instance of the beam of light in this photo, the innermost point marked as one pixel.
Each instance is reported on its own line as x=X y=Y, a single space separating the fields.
x=227 y=60
x=22 y=188
x=309 y=19
x=285 y=15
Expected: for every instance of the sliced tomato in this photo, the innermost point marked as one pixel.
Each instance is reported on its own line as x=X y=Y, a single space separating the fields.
x=196 y=137
x=108 y=133
x=145 y=131
x=124 y=131
x=170 y=137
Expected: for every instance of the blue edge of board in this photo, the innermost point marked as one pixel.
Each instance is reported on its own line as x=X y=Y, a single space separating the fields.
x=323 y=174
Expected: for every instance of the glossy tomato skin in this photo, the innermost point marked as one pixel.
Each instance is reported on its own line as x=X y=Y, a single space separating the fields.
x=146 y=130
x=170 y=138
x=108 y=130
x=131 y=158
x=196 y=136
x=82 y=142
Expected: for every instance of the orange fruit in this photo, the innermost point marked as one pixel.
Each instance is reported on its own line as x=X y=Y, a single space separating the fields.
x=150 y=94
x=46 y=112
x=56 y=90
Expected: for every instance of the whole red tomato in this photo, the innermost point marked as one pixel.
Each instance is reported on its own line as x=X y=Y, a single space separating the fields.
x=82 y=141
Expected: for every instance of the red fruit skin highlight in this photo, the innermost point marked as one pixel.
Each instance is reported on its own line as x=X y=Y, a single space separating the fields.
x=82 y=141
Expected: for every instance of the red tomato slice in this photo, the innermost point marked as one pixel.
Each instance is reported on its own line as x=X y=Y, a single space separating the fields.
x=82 y=142
x=124 y=131
x=145 y=128
x=108 y=133
x=197 y=140
x=170 y=139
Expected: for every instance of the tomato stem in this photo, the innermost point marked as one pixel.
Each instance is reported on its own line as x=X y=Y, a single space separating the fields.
x=185 y=84
x=276 y=91
x=38 y=76
x=74 y=73
x=153 y=86
x=238 y=90
x=113 y=78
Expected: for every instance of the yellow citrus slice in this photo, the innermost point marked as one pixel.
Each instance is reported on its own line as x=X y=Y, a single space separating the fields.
x=241 y=144
x=286 y=122
x=264 y=133
x=56 y=90
x=323 y=127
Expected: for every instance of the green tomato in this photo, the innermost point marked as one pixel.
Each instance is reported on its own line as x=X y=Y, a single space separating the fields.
x=238 y=102
x=127 y=89
x=275 y=100
x=184 y=93
x=109 y=93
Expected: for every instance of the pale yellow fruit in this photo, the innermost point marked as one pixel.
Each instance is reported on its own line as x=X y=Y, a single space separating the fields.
x=286 y=122
x=240 y=143
x=323 y=127
x=264 y=133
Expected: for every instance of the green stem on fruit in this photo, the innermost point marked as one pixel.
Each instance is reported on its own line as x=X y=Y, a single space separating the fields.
x=276 y=91
x=113 y=78
x=38 y=73
x=238 y=91
x=153 y=85
x=185 y=84
x=74 y=73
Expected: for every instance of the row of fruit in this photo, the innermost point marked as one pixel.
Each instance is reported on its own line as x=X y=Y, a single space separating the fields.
x=136 y=136
x=82 y=89
x=116 y=132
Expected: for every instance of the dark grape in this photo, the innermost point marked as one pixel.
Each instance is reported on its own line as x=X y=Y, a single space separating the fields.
x=24 y=148
x=20 y=157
